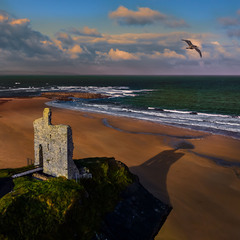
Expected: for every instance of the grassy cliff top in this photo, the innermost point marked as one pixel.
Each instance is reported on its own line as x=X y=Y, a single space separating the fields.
x=59 y=208
x=8 y=172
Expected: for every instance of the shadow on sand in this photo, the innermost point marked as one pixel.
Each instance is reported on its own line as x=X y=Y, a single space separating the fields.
x=153 y=173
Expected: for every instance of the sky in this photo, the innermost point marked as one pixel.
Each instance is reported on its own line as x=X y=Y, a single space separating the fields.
x=133 y=37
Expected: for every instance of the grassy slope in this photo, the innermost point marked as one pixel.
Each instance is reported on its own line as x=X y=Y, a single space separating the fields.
x=8 y=172
x=61 y=208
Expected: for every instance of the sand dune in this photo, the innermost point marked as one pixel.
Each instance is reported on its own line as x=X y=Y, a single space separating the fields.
x=204 y=195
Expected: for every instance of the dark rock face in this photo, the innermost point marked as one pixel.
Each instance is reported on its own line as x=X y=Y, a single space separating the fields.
x=138 y=216
x=6 y=186
x=193 y=113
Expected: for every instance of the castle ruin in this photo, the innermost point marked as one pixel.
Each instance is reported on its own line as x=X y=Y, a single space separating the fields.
x=53 y=147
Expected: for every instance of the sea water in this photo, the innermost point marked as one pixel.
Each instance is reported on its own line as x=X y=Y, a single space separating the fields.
x=208 y=103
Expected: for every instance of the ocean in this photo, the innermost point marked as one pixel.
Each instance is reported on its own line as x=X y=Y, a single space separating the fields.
x=208 y=103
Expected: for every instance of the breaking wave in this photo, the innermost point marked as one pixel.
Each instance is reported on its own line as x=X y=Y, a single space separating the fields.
x=213 y=123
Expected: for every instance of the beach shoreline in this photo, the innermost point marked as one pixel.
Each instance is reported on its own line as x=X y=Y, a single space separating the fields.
x=175 y=164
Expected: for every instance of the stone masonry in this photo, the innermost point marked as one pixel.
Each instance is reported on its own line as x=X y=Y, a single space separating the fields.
x=53 y=147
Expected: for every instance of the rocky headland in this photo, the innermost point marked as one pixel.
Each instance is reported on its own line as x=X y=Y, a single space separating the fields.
x=67 y=96
x=113 y=205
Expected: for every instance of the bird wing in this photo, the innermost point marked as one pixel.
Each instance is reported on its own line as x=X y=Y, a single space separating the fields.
x=188 y=42
x=198 y=50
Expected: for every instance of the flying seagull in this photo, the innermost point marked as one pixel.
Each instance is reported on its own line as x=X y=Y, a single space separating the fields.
x=191 y=46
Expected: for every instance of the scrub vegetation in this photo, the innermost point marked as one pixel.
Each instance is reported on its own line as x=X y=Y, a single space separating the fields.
x=60 y=208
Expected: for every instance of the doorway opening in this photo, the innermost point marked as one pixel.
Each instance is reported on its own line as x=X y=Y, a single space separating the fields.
x=40 y=156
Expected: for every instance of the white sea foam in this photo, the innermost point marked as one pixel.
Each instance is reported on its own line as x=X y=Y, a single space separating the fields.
x=217 y=123
x=203 y=121
x=111 y=92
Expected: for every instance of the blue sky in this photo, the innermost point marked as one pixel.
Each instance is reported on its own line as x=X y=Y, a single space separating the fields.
x=119 y=37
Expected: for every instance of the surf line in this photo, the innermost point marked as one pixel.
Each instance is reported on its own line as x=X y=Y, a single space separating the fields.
x=107 y=124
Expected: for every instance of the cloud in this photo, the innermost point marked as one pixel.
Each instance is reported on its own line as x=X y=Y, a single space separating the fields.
x=121 y=55
x=20 y=46
x=227 y=21
x=117 y=55
x=87 y=51
x=74 y=51
x=144 y=16
x=57 y=43
x=19 y=21
x=220 y=50
x=230 y=21
x=232 y=24
x=64 y=40
x=19 y=43
x=86 y=31
x=136 y=39
x=87 y=47
x=3 y=18
x=167 y=53
x=172 y=23
x=141 y=17
x=234 y=33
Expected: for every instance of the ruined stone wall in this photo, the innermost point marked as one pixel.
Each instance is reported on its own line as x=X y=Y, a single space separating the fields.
x=53 y=147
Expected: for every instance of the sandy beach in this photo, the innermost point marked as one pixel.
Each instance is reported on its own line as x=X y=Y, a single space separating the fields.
x=195 y=172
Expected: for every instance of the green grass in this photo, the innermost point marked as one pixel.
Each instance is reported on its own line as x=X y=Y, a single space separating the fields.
x=37 y=207
x=63 y=209
x=8 y=172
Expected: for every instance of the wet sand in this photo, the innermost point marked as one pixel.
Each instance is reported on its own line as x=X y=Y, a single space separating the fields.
x=204 y=195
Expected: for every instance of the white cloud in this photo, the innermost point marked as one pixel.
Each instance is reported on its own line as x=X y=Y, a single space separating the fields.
x=227 y=21
x=167 y=53
x=19 y=21
x=86 y=50
x=161 y=39
x=74 y=51
x=143 y=16
x=234 y=33
x=3 y=18
x=90 y=31
x=21 y=44
x=57 y=43
x=86 y=31
x=232 y=24
x=117 y=55
x=220 y=50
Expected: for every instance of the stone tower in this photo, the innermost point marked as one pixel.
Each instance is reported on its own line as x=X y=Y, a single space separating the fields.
x=53 y=147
